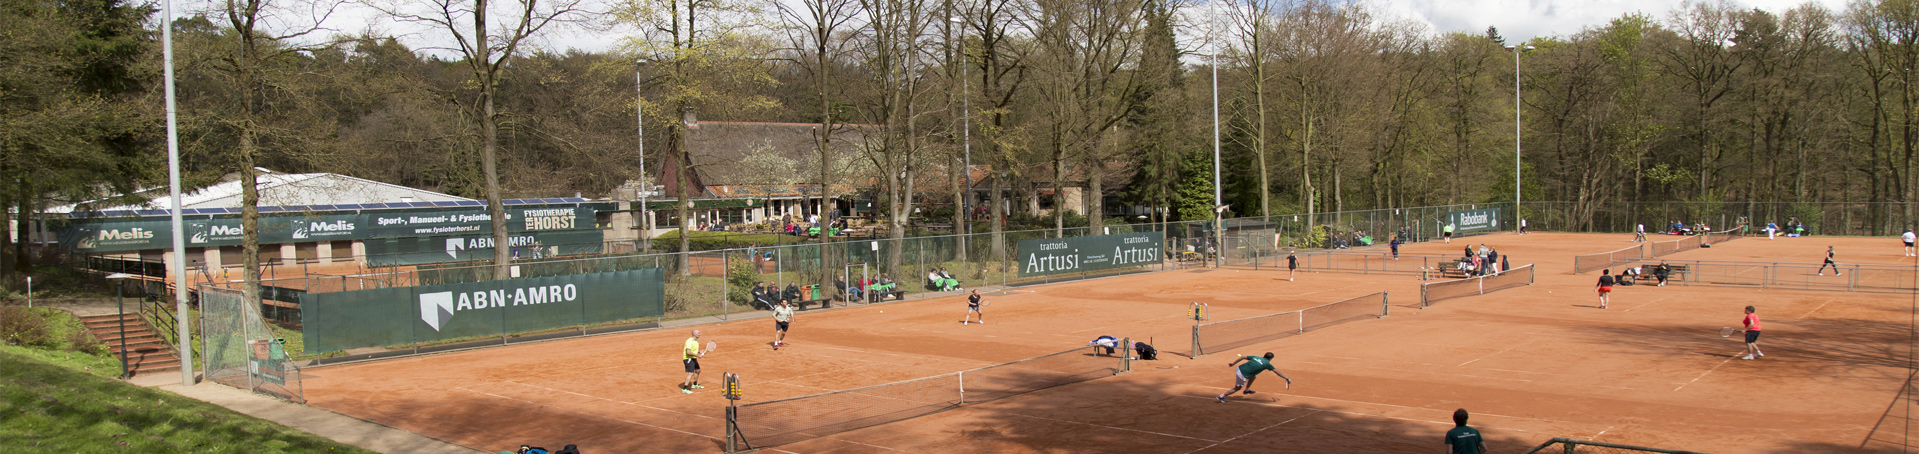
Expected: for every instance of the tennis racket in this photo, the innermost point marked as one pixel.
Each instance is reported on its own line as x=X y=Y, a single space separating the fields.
x=1726 y=332
x=984 y=302
x=710 y=346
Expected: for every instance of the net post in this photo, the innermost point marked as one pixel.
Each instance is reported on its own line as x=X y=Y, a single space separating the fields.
x=1195 y=353
x=1126 y=355
x=1384 y=307
x=1300 y=321
x=1423 y=296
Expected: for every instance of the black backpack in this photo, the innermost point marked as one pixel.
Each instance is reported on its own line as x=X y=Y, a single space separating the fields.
x=570 y=449
x=1146 y=352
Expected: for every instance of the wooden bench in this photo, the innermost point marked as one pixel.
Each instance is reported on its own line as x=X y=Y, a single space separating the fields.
x=824 y=303
x=875 y=296
x=1451 y=269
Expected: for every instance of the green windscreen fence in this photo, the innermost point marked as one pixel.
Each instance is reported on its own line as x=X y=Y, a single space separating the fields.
x=397 y=316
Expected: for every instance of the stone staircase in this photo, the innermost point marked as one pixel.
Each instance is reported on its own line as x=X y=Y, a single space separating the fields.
x=146 y=351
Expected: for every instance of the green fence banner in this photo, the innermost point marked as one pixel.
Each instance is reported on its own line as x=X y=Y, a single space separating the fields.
x=396 y=316
x=132 y=234
x=1088 y=253
x=1474 y=220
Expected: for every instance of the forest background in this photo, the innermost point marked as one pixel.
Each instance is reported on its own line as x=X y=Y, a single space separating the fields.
x=1323 y=105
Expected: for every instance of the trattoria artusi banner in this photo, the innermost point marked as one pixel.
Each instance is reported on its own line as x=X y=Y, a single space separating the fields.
x=1089 y=253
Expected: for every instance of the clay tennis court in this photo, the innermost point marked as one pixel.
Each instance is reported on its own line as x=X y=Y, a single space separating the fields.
x=1531 y=363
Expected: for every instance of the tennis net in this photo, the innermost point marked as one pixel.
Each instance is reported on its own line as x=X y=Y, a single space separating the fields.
x=1590 y=262
x=1724 y=235
x=1437 y=291
x=1230 y=334
x=1665 y=248
x=784 y=421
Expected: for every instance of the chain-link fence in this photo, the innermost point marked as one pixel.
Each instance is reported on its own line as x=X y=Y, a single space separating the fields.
x=237 y=349
x=1820 y=218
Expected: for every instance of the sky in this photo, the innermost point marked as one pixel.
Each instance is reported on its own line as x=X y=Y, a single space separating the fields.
x=1517 y=20
x=1521 y=20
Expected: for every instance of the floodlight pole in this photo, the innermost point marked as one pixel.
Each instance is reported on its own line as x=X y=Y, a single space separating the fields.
x=646 y=186
x=1219 y=225
x=179 y=266
x=1516 y=131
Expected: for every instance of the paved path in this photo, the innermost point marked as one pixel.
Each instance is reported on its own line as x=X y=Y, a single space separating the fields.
x=314 y=420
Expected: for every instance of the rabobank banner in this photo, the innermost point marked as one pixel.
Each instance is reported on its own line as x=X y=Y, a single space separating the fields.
x=1474 y=220
x=397 y=316
x=1088 y=253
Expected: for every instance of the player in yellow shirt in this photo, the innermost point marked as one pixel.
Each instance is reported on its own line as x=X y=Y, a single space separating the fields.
x=690 y=357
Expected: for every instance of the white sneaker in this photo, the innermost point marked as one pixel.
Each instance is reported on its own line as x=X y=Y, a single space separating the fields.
x=1760 y=353
x=1748 y=357
x=983 y=322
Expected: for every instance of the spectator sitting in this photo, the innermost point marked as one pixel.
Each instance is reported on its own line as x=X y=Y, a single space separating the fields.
x=760 y=293
x=791 y=295
x=841 y=284
x=951 y=281
x=1109 y=342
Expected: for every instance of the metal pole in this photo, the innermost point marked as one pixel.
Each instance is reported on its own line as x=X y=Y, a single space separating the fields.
x=119 y=298
x=966 y=142
x=646 y=187
x=1219 y=227
x=179 y=265
x=1516 y=133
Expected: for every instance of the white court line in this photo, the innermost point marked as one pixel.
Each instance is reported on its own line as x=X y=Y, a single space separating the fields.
x=1303 y=396
x=1372 y=415
x=1664 y=298
x=1816 y=309
x=1704 y=374
x=589 y=396
x=637 y=423
x=1155 y=320
x=1516 y=345
x=1263 y=429
x=1103 y=426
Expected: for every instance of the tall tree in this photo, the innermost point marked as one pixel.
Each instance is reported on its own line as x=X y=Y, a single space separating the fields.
x=70 y=121
x=485 y=48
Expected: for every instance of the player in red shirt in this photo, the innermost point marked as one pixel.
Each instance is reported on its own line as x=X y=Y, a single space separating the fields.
x=1752 y=322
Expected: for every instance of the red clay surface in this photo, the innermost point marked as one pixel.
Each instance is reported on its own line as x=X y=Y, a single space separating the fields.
x=1531 y=363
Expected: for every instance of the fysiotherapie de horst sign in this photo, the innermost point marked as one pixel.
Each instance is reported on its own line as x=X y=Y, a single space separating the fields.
x=1088 y=253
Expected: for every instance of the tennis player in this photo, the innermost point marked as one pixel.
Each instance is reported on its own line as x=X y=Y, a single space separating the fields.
x=1829 y=262
x=973 y=308
x=1293 y=264
x=782 y=316
x=690 y=357
x=1244 y=374
x=1908 y=239
x=1462 y=439
x=1605 y=286
x=1752 y=322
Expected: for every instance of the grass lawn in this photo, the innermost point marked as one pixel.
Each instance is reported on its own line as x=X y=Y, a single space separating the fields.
x=65 y=402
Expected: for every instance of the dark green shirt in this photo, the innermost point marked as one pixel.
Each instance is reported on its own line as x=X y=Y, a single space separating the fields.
x=1465 y=440
x=1254 y=365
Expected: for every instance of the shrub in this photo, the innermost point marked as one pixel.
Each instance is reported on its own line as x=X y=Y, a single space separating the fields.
x=740 y=279
x=81 y=340
x=21 y=326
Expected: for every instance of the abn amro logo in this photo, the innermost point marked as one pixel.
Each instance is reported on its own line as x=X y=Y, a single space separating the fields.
x=436 y=308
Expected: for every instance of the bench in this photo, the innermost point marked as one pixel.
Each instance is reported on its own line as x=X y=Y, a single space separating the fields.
x=874 y=296
x=824 y=303
x=1451 y=269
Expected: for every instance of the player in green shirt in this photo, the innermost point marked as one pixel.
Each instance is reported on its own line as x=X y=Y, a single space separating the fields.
x=1462 y=439
x=1244 y=374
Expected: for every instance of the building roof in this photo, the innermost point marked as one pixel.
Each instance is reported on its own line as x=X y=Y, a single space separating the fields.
x=283 y=190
